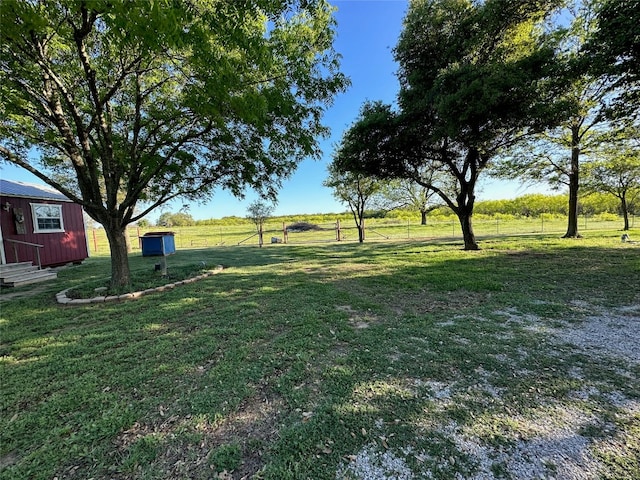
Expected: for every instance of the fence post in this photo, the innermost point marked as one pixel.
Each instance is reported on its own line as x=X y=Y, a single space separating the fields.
x=338 y=231
x=408 y=231
x=285 y=234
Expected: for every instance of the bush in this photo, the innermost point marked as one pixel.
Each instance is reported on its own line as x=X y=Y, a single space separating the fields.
x=303 y=227
x=606 y=217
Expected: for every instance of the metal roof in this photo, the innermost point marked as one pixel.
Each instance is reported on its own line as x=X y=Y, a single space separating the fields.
x=12 y=188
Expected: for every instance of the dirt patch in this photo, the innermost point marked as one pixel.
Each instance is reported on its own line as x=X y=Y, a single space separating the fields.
x=549 y=447
x=423 y=302
x=596 y=330
x=9 y=459
x=546 y=441
x=564 y=439
x=611 y=332
x=186 y=444
x=359 y=320
x=31 y=292
x=371 y=463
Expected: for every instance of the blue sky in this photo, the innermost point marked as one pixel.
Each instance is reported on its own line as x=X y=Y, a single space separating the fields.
x=366 y=34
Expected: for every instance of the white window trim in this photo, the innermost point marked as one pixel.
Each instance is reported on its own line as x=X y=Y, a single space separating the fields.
x=35 y=218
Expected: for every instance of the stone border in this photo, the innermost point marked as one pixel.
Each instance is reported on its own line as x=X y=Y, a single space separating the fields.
x=64 y=300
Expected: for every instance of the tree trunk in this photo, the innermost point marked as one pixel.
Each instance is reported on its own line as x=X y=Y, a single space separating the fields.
x=358 y=217
x=361 y=231
x=574 y=185
x=625 y=212
x=120 y=274
x=423 y=220
x=466 y=200
x=467 y=231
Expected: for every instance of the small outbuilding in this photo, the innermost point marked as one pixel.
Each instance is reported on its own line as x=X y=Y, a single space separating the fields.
x=39 y=224
x=158 y=243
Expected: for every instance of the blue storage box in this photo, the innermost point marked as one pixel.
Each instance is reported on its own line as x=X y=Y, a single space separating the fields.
x=158 y=243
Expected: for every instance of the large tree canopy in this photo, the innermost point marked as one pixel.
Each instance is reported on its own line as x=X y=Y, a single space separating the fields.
x=474 y=78
x=118 y=102
x=614 y=50
x=557 y=155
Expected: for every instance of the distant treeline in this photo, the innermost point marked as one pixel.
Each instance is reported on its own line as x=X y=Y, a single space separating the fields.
x=534 y=205
x=526 y=206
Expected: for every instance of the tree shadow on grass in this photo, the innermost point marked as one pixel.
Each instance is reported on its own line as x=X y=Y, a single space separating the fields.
x=307 y=361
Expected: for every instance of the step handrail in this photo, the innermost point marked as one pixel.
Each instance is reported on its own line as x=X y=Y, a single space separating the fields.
x=37 y=246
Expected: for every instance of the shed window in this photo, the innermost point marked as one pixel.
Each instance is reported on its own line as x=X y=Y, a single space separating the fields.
x=47 y=218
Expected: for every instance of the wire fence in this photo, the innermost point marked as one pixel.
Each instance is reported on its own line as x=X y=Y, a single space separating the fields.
x=206 y=236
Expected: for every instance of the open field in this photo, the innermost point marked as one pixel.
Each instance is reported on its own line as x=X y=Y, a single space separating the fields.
x=397 y=359
x=204 y=236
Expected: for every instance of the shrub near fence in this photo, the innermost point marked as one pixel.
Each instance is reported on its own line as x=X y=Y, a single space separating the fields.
x=204 y=236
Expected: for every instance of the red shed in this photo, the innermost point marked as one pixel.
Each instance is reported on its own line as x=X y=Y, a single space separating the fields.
x=36 y=220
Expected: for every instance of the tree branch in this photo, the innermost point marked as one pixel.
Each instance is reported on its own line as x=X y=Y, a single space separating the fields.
x=16 y=160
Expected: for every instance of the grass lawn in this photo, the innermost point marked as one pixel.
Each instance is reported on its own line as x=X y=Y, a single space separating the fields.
x=403 y=360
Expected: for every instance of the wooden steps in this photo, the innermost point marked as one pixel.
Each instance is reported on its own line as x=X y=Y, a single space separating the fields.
x=24 y=273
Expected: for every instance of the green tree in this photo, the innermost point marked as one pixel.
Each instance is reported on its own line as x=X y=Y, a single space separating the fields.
x=360 y=192
x=178 y=219
x=613 y=50
x=259 y=212
x=617 y=171
x=556 y=155
x=474 y=79
x=534 y=204
x=493 y=207
x=594 y=203
x=407 y=193
x=116 y=103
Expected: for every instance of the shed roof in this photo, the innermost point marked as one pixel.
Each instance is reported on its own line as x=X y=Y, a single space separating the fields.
x=11 y=188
